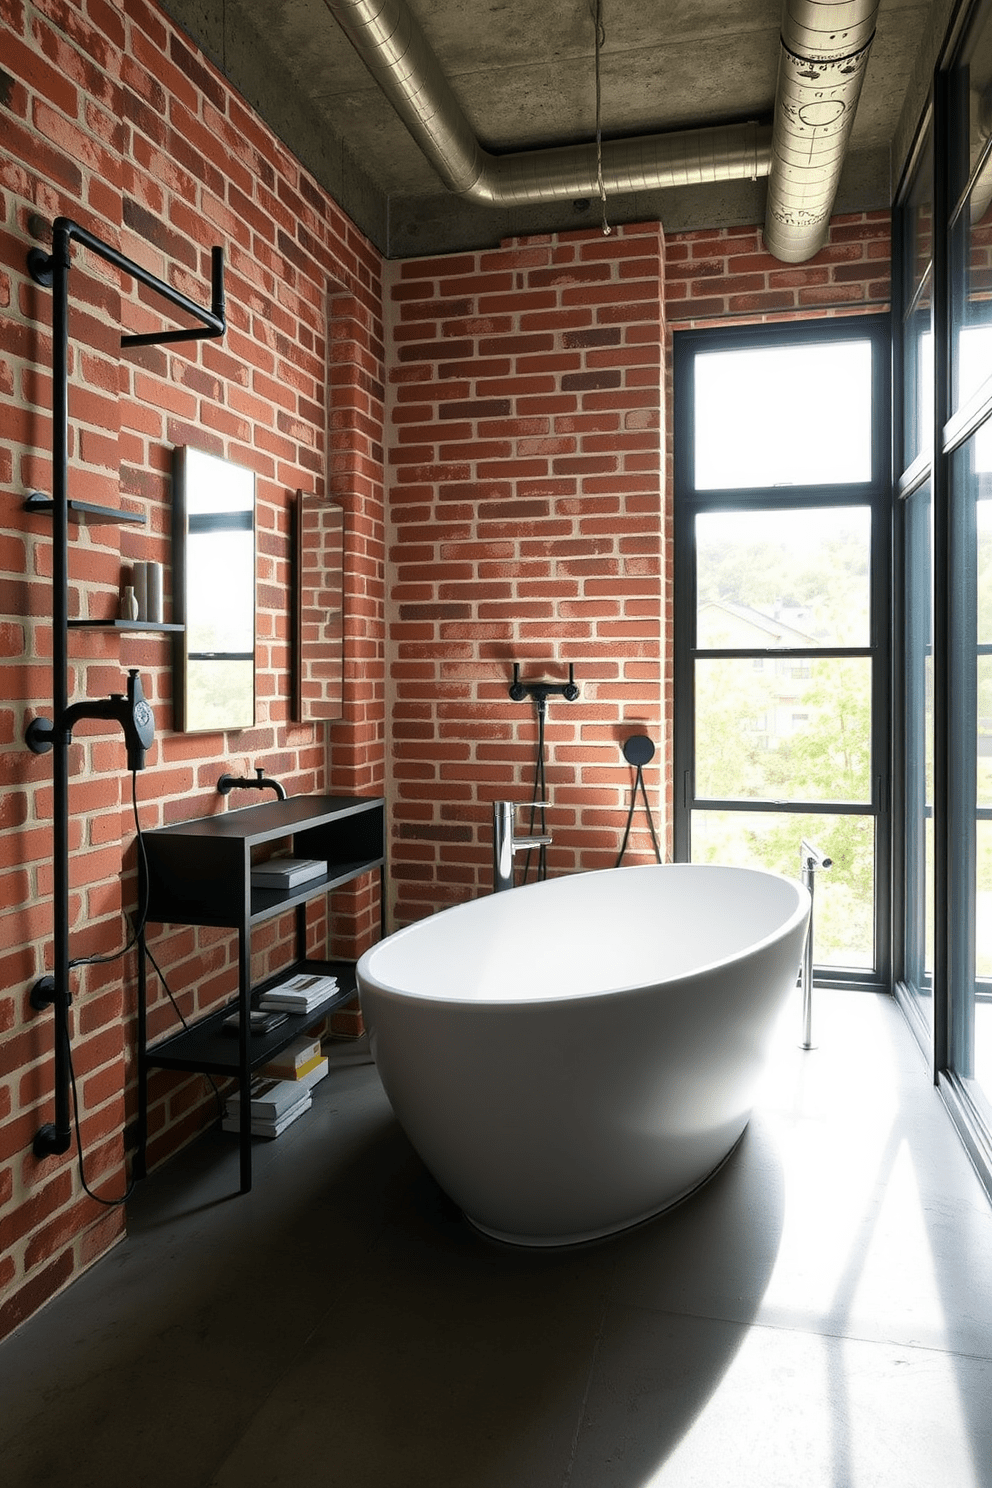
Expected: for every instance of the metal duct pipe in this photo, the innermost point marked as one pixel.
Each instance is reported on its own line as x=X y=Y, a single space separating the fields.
x=391 y=44
x=825 y=46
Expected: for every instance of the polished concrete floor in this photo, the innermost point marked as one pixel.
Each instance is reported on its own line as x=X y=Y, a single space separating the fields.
x=819 y=1316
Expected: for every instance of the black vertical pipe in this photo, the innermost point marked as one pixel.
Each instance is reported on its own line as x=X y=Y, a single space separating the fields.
x=57 y=1138
x=244 y=1060
x=54 y=1139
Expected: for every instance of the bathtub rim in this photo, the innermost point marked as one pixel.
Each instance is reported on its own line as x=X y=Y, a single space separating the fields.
x=388 y=989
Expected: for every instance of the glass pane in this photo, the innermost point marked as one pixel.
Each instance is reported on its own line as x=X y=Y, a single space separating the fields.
x=783 y=415
x=918 y=388
x=984 y=791
x=222 y=692
x=983 y=524
x=983 y=957
x=221 y=564
x=917 y=239
x=972 y=363
x=917 y=236
x=844 y=894
x=972 y=232
x=983 y=915
x=782 y=729
x=794 y=578
x=919 y=748
x=969 y=680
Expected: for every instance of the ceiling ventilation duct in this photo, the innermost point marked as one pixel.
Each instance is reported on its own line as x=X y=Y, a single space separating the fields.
x=390 y=42
x=824 y=82
x=825 y=46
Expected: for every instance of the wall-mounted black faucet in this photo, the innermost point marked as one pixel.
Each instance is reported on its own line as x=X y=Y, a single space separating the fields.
x=260 y=781
x=541 y=691
x=130 y=710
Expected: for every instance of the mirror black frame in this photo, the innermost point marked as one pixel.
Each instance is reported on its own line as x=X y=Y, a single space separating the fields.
x=198 y=703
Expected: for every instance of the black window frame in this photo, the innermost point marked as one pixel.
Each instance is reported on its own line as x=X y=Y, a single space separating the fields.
x=876 y=493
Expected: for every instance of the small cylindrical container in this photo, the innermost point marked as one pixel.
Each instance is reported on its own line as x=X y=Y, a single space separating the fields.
x=140 y=573
x=129 y=603
x=154 y=590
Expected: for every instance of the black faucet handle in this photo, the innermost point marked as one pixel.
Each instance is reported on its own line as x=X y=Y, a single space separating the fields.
x=142 y=716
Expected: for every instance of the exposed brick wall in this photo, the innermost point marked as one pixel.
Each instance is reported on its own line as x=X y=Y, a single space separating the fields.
x=529 y=521
x=525 y=525
x=724 y=275
x=109 y=117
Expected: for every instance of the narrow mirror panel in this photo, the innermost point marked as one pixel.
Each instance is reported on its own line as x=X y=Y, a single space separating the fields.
x=319 y=652
x=214 y=521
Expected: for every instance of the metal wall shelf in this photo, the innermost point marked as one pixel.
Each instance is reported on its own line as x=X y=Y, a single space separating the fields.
x=152 y=626
x=42 y=505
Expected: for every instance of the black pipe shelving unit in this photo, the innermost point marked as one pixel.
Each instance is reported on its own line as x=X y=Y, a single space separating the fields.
x=199 y=873
x=52 y=270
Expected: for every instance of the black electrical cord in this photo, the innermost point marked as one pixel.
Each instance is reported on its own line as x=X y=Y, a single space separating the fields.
x=137 y=926
x=129 y=1190
x=135 y=929
x=178 y=1012
x=103 y=961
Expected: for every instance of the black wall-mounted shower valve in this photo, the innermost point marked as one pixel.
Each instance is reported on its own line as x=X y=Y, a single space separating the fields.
x=541 y=691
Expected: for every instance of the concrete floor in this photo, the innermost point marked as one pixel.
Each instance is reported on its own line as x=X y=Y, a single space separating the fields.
x=819 y=1316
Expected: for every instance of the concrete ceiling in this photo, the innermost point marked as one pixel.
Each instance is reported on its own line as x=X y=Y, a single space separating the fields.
x=524 y=73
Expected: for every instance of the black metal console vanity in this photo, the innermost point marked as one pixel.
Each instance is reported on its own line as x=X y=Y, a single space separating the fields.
x=199 y=873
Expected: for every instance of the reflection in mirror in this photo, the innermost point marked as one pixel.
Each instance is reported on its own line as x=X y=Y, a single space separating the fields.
x=214 y=516
x=319 y=669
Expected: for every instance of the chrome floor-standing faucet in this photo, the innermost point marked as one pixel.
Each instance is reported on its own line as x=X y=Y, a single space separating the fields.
x=506 y=842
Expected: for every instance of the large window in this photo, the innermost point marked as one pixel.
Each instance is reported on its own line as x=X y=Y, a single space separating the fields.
x=943 y=841
x=782 y=495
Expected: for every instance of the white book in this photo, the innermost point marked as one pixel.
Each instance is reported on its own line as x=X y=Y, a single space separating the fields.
x=294 y=1004
x=271 y=1099
x=299 y=999
x=264 y=1126
x=286 y=873
x=304 y=983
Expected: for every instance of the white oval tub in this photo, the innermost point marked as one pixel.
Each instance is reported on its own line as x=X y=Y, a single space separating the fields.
x=574 y=1056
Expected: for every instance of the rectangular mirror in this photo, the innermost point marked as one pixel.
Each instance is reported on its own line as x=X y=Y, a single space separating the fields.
x=319 y=649
x=214 y=562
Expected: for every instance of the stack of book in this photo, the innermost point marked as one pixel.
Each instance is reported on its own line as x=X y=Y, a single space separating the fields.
x=295 y=1061
x=300 y=993
x=276 y=1103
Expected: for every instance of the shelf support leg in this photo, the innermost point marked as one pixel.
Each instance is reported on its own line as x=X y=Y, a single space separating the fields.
x=244 y=1040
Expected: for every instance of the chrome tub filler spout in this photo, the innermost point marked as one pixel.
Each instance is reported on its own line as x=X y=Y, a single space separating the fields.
x=506 y=842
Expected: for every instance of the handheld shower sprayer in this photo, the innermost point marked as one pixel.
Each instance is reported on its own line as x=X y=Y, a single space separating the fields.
x=131 y=710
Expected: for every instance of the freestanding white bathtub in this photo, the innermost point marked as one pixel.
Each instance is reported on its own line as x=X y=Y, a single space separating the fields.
x=572 y=1057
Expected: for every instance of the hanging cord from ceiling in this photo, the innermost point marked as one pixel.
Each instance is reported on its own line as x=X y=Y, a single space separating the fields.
x=597 y=11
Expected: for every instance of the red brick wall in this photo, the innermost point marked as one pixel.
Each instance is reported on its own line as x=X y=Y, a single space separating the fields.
x=109 y=117
x=528 y=521
x=525 y=525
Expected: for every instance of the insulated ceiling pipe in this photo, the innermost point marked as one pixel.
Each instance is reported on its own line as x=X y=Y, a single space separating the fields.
x=390 y=42
x=825 y=46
